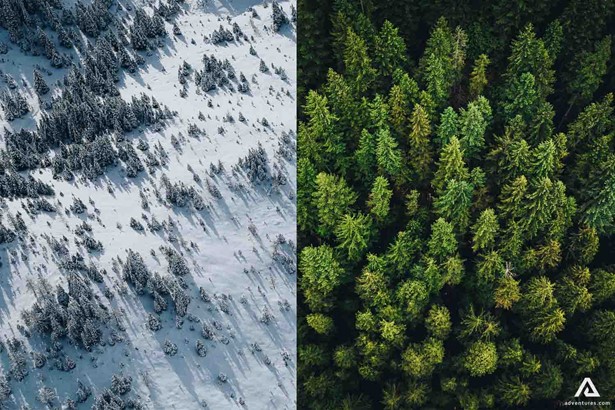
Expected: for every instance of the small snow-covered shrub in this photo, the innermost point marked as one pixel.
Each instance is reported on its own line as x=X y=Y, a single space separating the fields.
x=46 y=395
x=204 y=295
x=5 y=388
x=83 y=392
x=207 y=332
x=201 y=350
x=266 y=316
x=39 y=359
x=263 y=67
x=121 y=384
x=136 y=225
x=77 y=207
x=153 y=323
x=169 y=348
x=108 y=400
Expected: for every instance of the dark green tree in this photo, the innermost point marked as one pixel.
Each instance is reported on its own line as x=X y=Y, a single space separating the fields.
x=321 y=275
x=358 y=64
x=333 y=198
x=353 y=233
x=478 y=77
x=389 y=50
x=380 y=198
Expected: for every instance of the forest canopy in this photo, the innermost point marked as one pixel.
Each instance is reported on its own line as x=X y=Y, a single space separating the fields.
x=456 y=203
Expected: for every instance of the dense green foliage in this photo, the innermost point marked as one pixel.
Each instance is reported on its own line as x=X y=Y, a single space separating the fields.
x=456 y=204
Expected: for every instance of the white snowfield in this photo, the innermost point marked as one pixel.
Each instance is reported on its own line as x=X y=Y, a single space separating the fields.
x=229 y=245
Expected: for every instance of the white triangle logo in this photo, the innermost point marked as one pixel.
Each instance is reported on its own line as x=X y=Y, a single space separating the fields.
x=587 y=388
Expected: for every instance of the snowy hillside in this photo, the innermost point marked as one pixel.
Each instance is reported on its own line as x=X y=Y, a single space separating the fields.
x=150 y=261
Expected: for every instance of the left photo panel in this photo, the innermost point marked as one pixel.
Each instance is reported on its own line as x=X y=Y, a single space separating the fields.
x=147 y=204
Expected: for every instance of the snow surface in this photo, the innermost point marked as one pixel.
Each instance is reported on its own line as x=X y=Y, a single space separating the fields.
x=226 y=248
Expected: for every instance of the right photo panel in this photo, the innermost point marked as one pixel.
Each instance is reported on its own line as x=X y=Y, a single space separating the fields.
x=456 y=204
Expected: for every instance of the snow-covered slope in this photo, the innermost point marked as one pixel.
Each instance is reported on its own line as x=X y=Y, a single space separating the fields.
x=235 y=232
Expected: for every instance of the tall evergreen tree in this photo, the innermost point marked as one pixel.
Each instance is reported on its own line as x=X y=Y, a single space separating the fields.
x=321 y=275
x=332 y=198
x=388 y=155
x=358 y=64
x=380 y=198
x=389 y=50
x=472 y=129
x=478 y=78
x=592 y=67
x=40 y=86
x=420 y=154
x=450 y=166
x=353 y=233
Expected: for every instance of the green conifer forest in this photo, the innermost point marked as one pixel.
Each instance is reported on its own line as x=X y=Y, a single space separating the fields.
x=456 y=203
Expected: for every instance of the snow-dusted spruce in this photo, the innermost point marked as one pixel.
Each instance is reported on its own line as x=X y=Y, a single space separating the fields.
x=256 y=164
x=132 y=243
x=215 y=73
x=221 y=35
x=280 y=19
x=120 y=384
x=78 y=321
x=40 y=85
x=14 y=105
